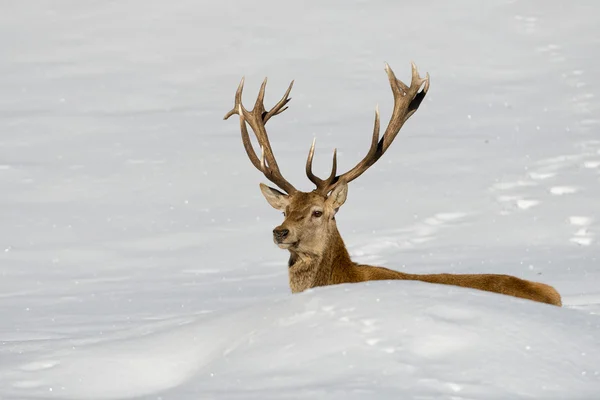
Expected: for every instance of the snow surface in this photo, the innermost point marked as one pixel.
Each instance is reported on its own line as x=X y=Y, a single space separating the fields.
x=136 y=258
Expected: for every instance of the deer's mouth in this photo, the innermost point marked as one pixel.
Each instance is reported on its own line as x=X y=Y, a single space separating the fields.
x=286 y=246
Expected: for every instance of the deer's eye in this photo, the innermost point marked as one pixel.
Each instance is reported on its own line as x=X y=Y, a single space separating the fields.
x=317 y=214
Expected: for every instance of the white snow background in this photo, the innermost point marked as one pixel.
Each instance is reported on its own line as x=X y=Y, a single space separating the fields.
x=136 y=258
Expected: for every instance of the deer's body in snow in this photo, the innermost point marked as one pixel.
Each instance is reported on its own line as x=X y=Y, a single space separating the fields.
x=318 y=256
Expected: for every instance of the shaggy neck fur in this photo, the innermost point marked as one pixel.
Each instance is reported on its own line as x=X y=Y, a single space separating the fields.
x=308 y=270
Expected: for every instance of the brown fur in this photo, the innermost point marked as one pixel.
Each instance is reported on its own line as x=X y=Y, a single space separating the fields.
x=320 y=258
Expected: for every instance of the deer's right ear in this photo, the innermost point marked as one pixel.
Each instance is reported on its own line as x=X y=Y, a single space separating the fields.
x=338 y=195
x=275 y=198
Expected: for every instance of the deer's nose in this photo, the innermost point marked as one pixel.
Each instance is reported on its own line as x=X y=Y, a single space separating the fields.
x=280 y=233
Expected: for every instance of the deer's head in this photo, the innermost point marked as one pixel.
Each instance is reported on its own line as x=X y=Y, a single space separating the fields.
x=310 y=216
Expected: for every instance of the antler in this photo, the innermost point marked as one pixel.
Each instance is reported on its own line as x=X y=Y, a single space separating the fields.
x=257 y=118
x=406 y=101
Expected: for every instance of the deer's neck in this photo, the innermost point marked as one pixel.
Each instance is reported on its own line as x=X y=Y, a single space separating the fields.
x=308 y=270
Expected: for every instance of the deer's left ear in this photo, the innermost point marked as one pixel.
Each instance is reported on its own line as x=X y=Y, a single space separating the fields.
x=338 y=195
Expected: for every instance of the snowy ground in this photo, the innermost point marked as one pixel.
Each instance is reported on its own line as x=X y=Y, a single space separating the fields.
x=136 y=254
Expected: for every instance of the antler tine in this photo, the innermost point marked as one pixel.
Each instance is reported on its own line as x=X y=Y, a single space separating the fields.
x=332 y=175
x=279 y=107
x=313 y=178
x=238 y=100
x=375 y=136
x=406 y=101
x=259 y=104
x=395 y=82
x=322 y=185
x=416 y=81
x=257 y=118
x=427 y=82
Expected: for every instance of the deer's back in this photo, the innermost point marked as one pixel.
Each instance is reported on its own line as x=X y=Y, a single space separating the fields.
x=503 y=284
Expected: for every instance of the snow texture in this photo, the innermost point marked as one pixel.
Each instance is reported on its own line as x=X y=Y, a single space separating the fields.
x=136 y=258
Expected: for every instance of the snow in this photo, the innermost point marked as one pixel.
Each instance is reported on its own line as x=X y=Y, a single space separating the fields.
x=135 y=251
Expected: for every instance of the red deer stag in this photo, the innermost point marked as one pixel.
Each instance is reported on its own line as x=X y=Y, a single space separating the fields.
x=318 y=256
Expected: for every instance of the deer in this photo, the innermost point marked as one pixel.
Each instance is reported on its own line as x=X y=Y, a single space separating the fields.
x=318 y=255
